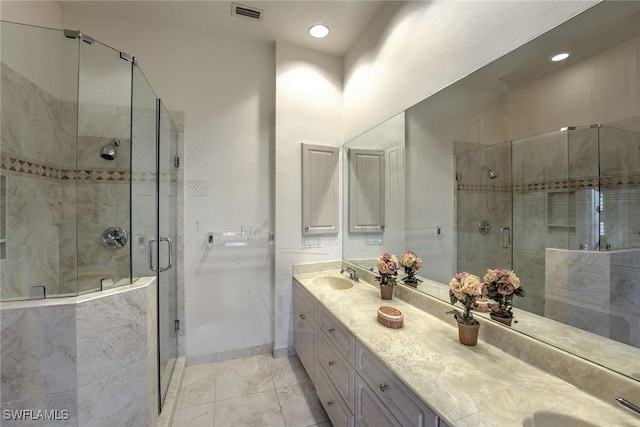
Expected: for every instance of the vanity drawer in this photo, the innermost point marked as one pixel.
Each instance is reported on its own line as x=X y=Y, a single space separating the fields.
x=369 y=409
x=308 y=303
x=337 y=333
x=338 y=412
x=337 y=368
x=401 y=401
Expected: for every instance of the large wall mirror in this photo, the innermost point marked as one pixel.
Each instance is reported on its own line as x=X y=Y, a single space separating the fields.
x=531 y=165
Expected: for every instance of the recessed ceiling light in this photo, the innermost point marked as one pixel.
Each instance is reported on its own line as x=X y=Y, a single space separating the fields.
x=560 y=57
x=319 y=31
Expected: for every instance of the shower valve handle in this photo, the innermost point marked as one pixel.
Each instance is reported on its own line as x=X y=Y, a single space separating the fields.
x=114 y=238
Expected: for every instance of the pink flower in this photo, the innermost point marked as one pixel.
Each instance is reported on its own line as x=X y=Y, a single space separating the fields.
x=456 y=288
x=505 y=288
x=392 y=268
x=383 y=268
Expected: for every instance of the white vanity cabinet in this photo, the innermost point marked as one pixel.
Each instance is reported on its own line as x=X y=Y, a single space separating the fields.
x=354 y=386
x=305 y=330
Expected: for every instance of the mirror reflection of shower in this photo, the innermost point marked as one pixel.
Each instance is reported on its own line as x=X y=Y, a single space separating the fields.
x=109 y=151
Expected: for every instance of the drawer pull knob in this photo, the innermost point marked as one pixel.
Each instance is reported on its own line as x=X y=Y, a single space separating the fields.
x=383 y=387
x=330 y=362
x=302 y=316
x=331 y=330
x=329 y=402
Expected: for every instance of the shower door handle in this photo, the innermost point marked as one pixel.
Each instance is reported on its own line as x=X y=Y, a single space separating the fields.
x=505 y=231
x=151 y=242
x=169 y=256
x=169 y=252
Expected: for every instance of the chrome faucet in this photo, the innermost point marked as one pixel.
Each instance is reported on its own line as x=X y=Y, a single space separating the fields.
x=352 y=274
x=627 y=404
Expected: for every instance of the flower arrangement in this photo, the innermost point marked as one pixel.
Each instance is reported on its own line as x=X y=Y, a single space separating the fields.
x=388 y=269
x=411 y=263
x=465 y=288
x=501 y=286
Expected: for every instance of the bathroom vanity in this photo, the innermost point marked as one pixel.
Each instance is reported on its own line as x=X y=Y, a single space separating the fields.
x=420 y=375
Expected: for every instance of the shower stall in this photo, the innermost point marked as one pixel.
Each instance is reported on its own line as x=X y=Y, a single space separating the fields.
x=89 y=177
x=560 y=209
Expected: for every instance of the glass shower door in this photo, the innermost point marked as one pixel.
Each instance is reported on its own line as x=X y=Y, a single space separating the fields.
x=168 y=325
x=542 y=200
x=154 y=226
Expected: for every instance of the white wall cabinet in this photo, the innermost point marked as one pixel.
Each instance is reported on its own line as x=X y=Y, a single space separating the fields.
x=320 y=190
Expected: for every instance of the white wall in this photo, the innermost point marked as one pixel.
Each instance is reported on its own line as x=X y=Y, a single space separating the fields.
x=414 y=49
x=41 y=13
x=49 y=53
x=308 y=109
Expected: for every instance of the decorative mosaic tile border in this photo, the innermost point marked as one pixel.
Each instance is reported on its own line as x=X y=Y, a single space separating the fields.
x=44 y=171
x=608 y=181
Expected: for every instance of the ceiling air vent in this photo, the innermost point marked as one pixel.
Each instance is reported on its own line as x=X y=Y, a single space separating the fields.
x=247 y=11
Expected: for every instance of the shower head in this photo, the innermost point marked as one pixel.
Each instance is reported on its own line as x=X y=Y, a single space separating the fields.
x=491 y=173
x=109 y=151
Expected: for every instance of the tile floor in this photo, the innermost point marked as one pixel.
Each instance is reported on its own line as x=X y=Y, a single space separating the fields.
x=254 y=391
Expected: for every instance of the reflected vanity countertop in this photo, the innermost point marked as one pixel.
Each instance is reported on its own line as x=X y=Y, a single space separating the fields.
x=613 y=354
x=466 y=386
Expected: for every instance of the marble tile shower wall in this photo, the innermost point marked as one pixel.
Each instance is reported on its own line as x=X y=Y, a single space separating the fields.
x=38 y=136
x=595 y=291
x=481 y=198
x=53 y=359
x=54 y=221
x=103 y=198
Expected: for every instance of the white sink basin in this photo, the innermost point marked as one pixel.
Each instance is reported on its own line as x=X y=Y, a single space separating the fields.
x=333 y=282
x=555 y=419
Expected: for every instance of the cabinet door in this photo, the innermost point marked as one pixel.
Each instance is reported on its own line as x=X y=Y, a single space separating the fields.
x=320 y=190
x=338 y=411
x=366 y=191
x=401 y=402
x=304 y=338
x=340 y=372
x=369 y=409
x=311 y=339
x=299 y=335
x=338 y=334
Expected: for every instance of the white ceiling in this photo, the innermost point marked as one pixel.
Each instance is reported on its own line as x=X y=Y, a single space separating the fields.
x=286 y=21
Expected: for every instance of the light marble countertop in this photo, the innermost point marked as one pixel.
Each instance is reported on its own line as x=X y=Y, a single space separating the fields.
x=466 y=386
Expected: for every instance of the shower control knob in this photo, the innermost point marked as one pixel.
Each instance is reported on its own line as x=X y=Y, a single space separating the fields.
x=114 y=238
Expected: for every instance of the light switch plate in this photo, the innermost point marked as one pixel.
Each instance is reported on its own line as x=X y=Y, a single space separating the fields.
x=373 y=240
x=311 y=242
